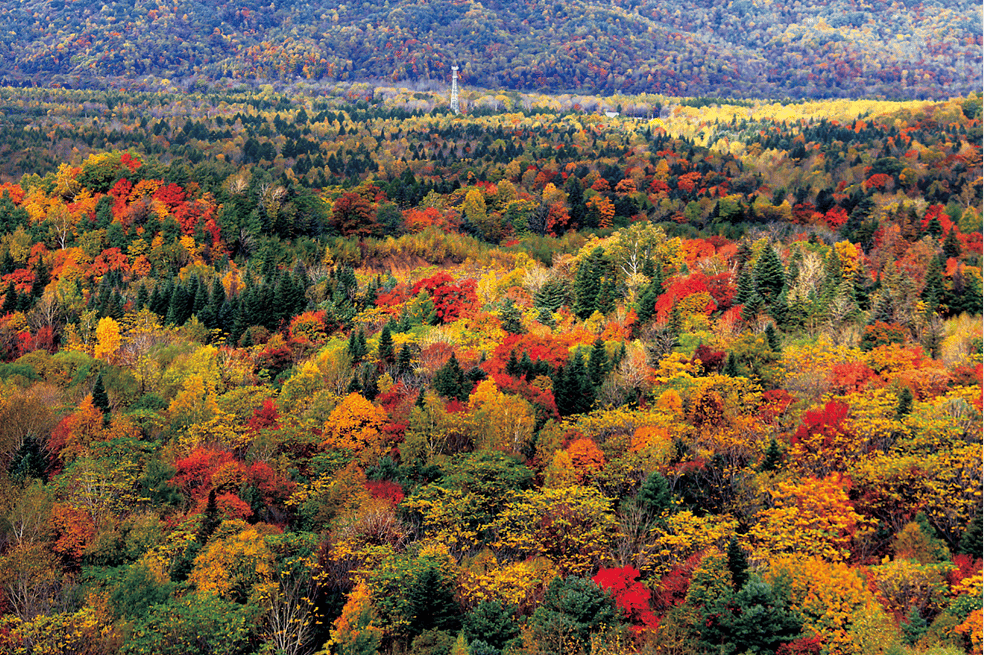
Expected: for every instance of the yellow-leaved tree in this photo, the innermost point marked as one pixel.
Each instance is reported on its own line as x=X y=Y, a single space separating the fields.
x=356 y=425
x=107 y=338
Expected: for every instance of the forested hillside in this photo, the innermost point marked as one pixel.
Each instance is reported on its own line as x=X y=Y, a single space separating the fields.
x=836 y=48
x=347 y=373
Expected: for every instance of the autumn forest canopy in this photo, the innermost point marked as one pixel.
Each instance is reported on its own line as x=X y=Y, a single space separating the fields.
x=744 y=48
x=342 y=372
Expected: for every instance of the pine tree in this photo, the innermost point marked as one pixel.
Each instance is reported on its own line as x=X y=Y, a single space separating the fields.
x=770 y=277
x=951 y=245
x=511 y=317
x=552 y=295
x=904 y=405
x=450 y=381
x=737 y=564
x=404 y=362
x=646 y=303
x=619 y=357
x=607 y=295
x=357 y=348
x=9 y=300
x=773 y=456
x=100 y=398
x=932 y=291
x=386 y=352
x=772 y=337
x=746 y=288
x=587 y=284
x=142 y=296
x=210 y=519
x=512 y=365
x=730 y=367
x=597 y=363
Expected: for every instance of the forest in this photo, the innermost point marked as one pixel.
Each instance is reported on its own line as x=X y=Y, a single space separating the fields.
x=347 y=373
x=905 y=49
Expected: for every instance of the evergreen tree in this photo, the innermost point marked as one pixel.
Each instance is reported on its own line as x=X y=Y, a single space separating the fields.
x=730 y=367
x=357 y=348
x=386 y=352
x=210 y=519
x=143 y=298
x=9 y=300
x=932 y=291
x=512 y=365
x=511 y=317
x=370 y=382
x=951 y=245
x=404 y=362
x=746 y=288
x=597 y=363
x=737 y=564
x=552 y=295
x=772 y=337
x=619 y=357
x=587 y=284
x=773 y=456
x=646 y=303
x=654 y=495
x=904 y=405
x=450 y=381
x=100 y=398
x=770 y=277
x=607 y=295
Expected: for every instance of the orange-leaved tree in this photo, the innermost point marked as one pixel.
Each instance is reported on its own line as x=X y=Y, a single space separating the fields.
x=356 y=425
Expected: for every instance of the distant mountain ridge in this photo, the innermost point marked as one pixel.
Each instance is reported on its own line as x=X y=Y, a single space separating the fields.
x=710 y=47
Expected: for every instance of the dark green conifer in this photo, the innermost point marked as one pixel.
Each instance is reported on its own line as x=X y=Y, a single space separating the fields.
x=746 y=288
x=770 y=277
x=773 y=456
x=100 y=398
x=737 y=564
x=404 y=362
x=772 y=337
x=511 y=317
x=587 y=284
x=450 y=381
x=597 y=363
x=386 y=352
x=9 y=300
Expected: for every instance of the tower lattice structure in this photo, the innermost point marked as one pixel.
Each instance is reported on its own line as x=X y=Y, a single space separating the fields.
x=454 y=90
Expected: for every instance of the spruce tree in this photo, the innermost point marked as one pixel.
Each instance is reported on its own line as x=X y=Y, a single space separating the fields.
x=386 y=352
x=511 y=317
x=932 y=291
x=904 y=405
x=737 y=564
x=773 y=456
x=951 y=245
x=607 y=295
x=404 y=362
x=730 y=367
x=100 y=399
x=552 y=295
x=746 y=288
x=450 y=381
x=142 y=296
x=587 y=284
x=512 y=365
x=772 y=337
x=9 y=300
x=597 y=363
x=770 y=277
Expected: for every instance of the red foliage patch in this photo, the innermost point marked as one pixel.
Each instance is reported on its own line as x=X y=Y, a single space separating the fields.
x=451 y=299
x=385 y=490
x=631 y=596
